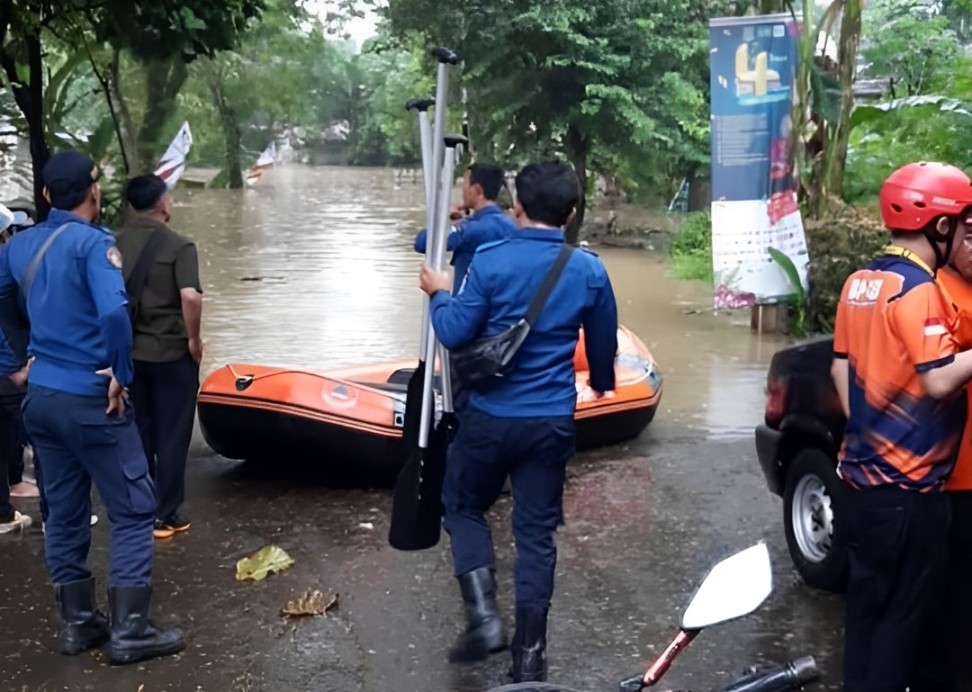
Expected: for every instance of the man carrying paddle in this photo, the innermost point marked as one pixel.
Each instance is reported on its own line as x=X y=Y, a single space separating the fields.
x=522 y=425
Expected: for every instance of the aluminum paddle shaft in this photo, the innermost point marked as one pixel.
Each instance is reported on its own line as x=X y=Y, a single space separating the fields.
x=438 y=244
x=445 y=58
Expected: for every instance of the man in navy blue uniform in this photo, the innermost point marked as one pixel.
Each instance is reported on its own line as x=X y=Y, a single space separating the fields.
x=522 y=425
x=69 y=273
x=481 y=187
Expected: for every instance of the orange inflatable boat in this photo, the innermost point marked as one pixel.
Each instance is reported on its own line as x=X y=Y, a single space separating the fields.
x=351 y=419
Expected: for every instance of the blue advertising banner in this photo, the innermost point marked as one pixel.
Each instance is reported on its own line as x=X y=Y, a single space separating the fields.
x=754 y=205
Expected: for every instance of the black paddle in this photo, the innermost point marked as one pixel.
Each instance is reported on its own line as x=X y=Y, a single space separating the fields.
x=416 y=519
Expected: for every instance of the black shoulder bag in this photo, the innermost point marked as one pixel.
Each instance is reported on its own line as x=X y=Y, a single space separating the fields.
x=136 y=282
x=483 y=361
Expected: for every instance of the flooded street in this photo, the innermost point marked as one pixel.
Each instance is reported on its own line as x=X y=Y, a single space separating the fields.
x=314 y=268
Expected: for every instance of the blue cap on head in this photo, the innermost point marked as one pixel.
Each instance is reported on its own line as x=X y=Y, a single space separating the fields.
x=68 y=175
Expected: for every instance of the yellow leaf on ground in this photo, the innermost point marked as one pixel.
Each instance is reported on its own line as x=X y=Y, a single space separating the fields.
x=270 y=558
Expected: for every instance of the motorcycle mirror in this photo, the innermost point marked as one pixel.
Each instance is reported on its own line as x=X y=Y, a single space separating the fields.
x=734 y=587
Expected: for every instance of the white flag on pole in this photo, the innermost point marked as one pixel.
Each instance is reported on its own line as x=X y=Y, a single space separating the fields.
x=266 y=161
x=174 y=161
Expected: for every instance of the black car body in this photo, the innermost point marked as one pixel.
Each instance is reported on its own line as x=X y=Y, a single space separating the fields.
x=797 y=447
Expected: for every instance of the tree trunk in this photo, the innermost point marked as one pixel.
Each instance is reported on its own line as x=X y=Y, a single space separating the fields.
x=127 y=126
x=163 y=80
x=578 y=149
x=850 y=39
x=30 y=100
x=699 y=193
x=39 y=151
x=231 y=128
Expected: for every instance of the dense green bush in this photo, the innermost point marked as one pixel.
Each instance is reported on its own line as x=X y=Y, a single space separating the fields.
x=692 y=248
x=838 y=247
x=924 y=133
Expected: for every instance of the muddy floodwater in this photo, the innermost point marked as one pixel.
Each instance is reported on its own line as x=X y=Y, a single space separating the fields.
x=314 y=268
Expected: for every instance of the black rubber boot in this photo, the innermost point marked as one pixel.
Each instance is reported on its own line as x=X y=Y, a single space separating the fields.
x=484 y=633
x=133 y=636
x=529 y=646
x=83 y=627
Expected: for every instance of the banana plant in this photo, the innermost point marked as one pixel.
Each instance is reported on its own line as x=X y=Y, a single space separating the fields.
x=797 y=299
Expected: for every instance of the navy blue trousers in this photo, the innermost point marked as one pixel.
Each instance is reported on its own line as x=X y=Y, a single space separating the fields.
x=534 y=453
x=164 y=395
x=79 y=443
x=9 y=422
x=13 y=439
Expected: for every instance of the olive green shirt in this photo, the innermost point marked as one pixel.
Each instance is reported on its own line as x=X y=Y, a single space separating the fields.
x=160 y=329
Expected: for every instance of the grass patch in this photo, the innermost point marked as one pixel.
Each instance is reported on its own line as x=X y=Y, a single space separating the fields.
x=692 y=248
x=692 y=268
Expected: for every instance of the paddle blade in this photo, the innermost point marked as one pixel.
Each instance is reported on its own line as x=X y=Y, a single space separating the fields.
x=416 y=520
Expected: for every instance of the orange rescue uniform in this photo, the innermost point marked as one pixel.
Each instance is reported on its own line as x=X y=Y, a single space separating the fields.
x=960 y=292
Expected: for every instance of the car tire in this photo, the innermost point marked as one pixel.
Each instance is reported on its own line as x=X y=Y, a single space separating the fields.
x=814 y=506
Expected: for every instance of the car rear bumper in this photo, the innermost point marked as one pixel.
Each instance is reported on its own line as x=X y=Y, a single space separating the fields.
x=768 y=443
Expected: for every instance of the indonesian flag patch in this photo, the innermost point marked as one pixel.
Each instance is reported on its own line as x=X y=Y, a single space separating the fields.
x=935 y=327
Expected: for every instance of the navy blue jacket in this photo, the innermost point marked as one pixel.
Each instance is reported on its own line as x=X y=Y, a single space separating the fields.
x=487 y=225
x=503 y=278
x=76 y=305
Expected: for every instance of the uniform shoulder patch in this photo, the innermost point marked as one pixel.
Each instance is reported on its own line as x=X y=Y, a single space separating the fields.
x=490 y=245
x=115 y=257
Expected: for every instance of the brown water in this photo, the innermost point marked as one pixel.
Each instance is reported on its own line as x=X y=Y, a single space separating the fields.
x=314 y=268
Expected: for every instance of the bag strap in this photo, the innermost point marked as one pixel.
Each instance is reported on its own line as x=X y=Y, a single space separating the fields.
x=136 y=282
x=36 y=260
x=549 y=281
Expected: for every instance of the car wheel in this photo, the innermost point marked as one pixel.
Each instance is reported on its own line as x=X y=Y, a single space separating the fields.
x=814 y=505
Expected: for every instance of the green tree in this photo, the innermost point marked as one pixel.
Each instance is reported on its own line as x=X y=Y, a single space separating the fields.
x=151 y=30
x=910 y=47
x=591 y=82
x=284 y=75
x=391 y=75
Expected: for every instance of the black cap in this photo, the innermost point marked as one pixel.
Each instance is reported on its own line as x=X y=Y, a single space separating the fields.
x=145 y=191
x=67 y=176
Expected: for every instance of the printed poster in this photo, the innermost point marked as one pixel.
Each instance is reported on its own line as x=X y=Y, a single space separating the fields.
x=754 y=202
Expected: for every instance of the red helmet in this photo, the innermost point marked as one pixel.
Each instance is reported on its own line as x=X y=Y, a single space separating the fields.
x=918 y=193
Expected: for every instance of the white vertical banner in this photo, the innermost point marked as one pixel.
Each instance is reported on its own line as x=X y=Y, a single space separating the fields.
x=754 y=202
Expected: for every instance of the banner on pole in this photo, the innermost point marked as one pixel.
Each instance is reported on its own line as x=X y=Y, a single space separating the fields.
x=754 y=203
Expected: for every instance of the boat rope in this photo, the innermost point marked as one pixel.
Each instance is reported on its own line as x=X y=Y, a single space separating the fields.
x=245 y=380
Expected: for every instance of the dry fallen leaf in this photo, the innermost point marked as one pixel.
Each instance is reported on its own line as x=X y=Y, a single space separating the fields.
x=310 y=603
x=267 y=559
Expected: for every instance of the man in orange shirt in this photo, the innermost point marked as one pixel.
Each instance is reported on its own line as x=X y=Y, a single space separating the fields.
x=898 y=372
x=956 y=281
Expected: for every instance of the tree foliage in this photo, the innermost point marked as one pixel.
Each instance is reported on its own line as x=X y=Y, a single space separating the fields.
x=909 y=46
x=594 y=82
x=148 y=29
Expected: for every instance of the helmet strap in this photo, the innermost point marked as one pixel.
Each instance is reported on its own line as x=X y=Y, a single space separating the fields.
x=936 y=238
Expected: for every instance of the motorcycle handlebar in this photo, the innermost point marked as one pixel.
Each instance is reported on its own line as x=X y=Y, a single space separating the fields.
x=790 y=676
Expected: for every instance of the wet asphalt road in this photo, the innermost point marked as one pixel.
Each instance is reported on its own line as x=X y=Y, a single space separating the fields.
x=644 y=522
